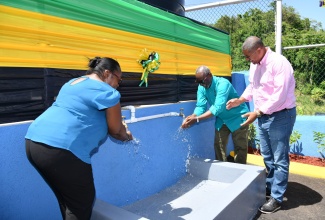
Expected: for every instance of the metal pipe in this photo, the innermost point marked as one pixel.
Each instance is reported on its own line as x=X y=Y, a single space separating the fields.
x=133 y=119
x=132 y=109
x=215 y=4
x=278 y=27
x=152 y=117
x=304 y=46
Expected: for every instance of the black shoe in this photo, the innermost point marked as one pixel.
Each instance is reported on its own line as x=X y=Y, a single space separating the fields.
x=268 y=194
x=270 y=206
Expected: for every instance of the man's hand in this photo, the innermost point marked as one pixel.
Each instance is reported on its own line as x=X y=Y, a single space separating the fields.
x=189 y=120
x=232 y=103
x=251 y=116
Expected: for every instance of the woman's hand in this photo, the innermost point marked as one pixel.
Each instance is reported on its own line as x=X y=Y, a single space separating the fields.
x=117 y=128
x=129 y=135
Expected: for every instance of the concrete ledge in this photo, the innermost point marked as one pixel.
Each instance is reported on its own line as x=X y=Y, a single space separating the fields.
x=105 y=211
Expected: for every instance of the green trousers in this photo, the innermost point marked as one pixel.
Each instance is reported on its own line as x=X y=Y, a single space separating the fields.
x=240 y=139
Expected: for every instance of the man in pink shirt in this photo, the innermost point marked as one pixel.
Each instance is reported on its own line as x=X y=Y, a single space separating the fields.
x=272 y=87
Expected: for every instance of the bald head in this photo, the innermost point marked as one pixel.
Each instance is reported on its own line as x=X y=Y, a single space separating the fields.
x=202 y=71
x=252 y=43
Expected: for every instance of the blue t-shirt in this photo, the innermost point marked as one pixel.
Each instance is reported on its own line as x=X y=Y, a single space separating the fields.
x=76 y=121
x=220 y=91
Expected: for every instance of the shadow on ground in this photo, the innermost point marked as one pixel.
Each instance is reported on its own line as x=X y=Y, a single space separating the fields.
x=303 y=200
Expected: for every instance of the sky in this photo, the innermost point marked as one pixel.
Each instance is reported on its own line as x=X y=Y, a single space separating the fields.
x=306 y=8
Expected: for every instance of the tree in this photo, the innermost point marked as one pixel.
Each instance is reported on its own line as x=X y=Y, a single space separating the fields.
x=296 y=31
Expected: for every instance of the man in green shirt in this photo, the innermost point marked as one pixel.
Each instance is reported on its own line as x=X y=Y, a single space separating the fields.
x=216 y=91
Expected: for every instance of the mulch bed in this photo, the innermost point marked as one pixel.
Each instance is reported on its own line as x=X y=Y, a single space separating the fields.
x=315 y=161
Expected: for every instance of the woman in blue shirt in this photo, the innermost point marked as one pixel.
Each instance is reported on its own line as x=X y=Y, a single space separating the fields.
x=61 y=141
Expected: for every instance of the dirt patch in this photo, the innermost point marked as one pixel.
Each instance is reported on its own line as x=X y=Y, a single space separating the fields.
x=315 y=161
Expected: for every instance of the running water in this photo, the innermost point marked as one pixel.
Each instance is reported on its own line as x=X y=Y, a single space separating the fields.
x=134 y=143
x=184 y=136
x=139 y=163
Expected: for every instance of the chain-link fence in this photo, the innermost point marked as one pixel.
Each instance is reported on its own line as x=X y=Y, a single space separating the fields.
x=257 y=18
x=310 y=79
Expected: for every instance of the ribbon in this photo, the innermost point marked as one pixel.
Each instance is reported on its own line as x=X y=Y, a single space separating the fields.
x=150 y=62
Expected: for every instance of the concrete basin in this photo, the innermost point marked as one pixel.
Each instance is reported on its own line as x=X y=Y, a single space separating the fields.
x=210 y=190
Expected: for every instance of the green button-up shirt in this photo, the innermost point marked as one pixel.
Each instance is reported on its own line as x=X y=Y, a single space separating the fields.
x=217 y=95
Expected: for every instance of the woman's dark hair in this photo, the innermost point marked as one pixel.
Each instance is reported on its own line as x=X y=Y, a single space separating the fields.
x=98 y=65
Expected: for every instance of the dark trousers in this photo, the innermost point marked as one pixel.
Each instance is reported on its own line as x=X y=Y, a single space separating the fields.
x=70 y=178
x=240 y=139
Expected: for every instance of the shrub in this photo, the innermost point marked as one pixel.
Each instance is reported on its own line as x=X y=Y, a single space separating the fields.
x=318 y=94
x=295 y=147
x=306 y=89
x=252 y=140
x=322 y=85
x=319 y=139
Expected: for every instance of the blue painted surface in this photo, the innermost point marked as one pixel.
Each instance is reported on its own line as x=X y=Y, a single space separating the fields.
x=123 y=173
x=23 y=193
x=306 y=125
x=158 y=159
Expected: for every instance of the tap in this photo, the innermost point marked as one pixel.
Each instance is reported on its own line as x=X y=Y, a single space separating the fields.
x=181 y=112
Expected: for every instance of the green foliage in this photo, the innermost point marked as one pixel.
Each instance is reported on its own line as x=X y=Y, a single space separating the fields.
x=322 y=85
x=318 y=95
x=306 y=89
x=319 y=139
x=305 y=105
x=252 y=140
x=294 y=137
x=295 y=148
x=308 y=63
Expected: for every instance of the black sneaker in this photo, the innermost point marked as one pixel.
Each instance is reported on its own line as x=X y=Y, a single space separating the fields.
x=270 y=206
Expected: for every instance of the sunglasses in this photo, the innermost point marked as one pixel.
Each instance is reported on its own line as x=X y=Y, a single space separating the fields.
x=119 y=79
x=201 y=82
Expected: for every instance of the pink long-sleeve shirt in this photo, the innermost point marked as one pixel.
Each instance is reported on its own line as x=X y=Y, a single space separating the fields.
x=272 y=84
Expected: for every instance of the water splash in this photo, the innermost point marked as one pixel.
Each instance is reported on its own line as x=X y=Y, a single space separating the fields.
x=135 y=141
x=184 y=136
x=133 y=145
x=181 y=134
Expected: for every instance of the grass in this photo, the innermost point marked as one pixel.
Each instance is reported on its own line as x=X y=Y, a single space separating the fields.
x=306 y=105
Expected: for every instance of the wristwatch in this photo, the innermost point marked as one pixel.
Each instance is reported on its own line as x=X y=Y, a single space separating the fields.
x=197 y=119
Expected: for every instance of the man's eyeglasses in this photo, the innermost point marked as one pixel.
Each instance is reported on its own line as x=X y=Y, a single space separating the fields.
x=119 y=79
x=201 y=82
x=249 y=57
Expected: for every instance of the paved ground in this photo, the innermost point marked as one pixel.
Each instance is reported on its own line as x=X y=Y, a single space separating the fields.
x=304 y=199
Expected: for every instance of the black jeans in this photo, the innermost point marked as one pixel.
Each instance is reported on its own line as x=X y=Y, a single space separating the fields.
x=70 y=178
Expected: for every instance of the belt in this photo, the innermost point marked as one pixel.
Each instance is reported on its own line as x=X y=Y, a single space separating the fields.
x=285 y=109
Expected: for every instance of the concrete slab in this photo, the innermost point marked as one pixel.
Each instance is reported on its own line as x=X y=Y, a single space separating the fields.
x=210 y=190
